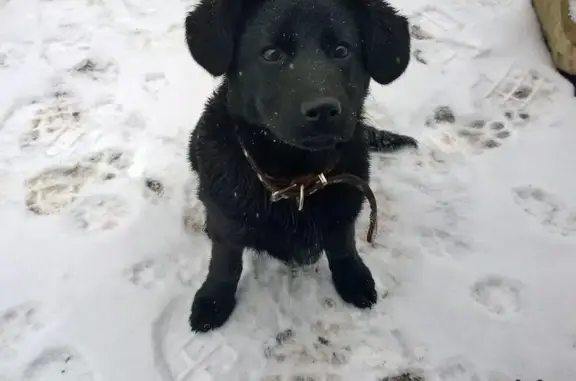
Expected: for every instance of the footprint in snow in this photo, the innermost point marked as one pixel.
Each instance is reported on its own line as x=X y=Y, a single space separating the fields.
x=193 y=214
x=99 y=212
x=499 y=296
x=303 y=377
x=407 y=376
x=47 y=122
x=429 y=29
x=154 y=82
x=147 y=274
x=499 y=376
x=13 y=53
x=177 y=266
x=59 y=364
x=16 y=324
x=154 y=190
x=490 y=5
x=520 y=90
x=55 y=188
x=547 y=209
x=302 y=349
x=96 y=69
x=457 y=368
x=180 y=355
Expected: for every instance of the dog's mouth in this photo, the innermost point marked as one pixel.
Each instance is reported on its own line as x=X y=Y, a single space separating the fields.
x=319 y=142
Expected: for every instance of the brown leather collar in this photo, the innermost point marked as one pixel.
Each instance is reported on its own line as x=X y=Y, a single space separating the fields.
x=302 y=186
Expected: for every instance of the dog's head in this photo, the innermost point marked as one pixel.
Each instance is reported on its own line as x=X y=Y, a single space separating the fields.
x=300 y=68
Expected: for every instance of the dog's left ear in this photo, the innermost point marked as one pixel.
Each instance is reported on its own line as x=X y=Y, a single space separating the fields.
x=386 y=40
x=210 y=33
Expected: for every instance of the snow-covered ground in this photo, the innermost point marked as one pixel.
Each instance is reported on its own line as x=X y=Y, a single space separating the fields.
x=101 y=249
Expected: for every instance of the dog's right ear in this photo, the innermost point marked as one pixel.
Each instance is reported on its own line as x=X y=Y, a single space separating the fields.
x=386 y=40
x=210 y=33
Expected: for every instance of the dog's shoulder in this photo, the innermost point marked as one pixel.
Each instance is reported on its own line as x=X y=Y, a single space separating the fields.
x=218 y=160
x=212 y=131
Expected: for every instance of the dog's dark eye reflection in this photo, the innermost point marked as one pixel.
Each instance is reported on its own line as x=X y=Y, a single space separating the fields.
x=272 y=55
x=341 y=51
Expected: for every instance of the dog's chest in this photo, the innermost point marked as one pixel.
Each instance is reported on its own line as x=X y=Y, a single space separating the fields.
x=280 y=224
x=286 y=233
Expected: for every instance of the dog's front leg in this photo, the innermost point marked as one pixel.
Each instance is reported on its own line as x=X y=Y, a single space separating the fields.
x=352 y=278
x=215 y=300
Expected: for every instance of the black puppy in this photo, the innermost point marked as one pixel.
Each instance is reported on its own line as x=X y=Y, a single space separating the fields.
x=282 y=150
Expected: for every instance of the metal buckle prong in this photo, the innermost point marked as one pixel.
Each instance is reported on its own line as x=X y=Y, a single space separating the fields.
x=322 y=179
x=301 y=198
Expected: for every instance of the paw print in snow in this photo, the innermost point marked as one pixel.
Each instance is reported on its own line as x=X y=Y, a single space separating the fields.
x=312 y=375
x=154 y=82
x=482 y=135
x=99 y=212
x=457 y=368
x=13 y=53
x=290 y=348
x=62 y=364
x=16 y=324
x=96 y=69
x=403 y=377
x=547 y=209
x=147 y=274
x=178 y=266
x=473 y=133
x=499 y=296
x=154 y=190
x=109 y=163
x=443 y=242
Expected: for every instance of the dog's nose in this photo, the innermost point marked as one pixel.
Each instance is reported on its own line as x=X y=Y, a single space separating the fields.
x=326 y=109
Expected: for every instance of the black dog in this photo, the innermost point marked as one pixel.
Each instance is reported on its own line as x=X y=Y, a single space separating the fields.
x=282 y=149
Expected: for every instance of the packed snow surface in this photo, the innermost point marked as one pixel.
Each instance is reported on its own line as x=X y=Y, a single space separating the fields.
x=101 y=249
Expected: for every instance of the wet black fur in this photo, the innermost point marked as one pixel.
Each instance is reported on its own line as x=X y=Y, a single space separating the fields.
x=225 y=37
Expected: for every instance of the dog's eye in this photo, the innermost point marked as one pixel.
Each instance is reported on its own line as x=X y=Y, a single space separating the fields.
x=341 y=51
x=272 y=54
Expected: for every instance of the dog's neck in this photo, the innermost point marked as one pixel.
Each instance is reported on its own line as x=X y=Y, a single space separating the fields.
x=280 y=160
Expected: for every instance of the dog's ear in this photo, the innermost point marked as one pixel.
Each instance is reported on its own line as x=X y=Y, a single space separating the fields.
x=210 y=33
x=386 y=40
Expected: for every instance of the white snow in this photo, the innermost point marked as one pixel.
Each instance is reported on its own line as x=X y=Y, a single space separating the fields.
x=101 y=250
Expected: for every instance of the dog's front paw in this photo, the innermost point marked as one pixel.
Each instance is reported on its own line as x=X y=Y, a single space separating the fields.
x=213 y=304
x=386 y=141
x=395 y=142
x=354 y=283
x=407 y=141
